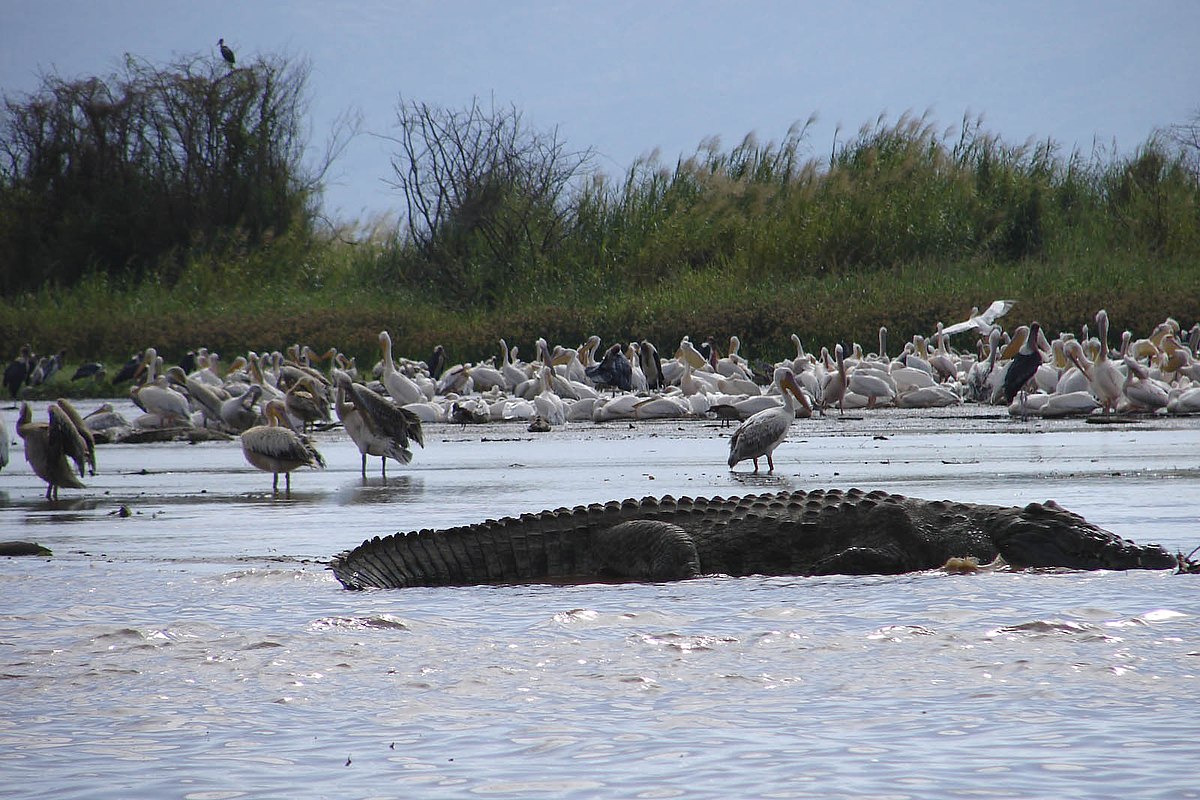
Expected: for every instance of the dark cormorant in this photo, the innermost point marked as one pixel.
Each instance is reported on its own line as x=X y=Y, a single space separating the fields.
x=226 y=52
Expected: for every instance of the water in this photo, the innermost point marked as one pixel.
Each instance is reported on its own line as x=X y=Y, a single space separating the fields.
x=198 y=649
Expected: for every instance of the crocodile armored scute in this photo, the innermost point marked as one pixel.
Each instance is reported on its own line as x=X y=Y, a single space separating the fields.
x=783 y=533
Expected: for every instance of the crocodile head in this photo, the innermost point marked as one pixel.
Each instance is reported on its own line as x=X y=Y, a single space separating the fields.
x=1046 y=534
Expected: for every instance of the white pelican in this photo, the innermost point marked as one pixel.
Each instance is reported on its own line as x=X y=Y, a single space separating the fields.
x=622 y=406
x=549 y=406
x=82 y=446
x=1071 y=404
x=239 y=413
x=873 y=384
x=402 y=388
x=733 y=365
x=45 y=448
x=664 y=406
x=1184 y=401
x=834 y=390
x=160 y=402
x=513 y=373
x=484 y=376
x=981 y=322
x=935 y=396
x=276 y=448
x=376 y=426
x=1141 y=391
x=1107 y=381
x=637 y=375
x=942 y=362
x=766 y=430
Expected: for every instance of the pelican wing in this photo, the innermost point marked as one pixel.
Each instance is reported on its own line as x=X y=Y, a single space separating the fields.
x=65 y=438
x=386 y=419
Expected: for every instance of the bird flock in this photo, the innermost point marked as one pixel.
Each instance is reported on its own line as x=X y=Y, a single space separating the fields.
x=273 y=401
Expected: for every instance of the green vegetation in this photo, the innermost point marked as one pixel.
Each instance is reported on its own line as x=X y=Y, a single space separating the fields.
x=510 y=234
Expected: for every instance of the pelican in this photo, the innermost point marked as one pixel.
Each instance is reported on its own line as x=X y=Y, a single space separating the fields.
x=834 y=390
x=873 y=384
x=82 y=446
x=305 y=401
x=239 y=412
x=1106 y=380
x=45 y=451
x=1143 y=393
x=402 y=388
x=158 y=399
x=276 y=448
x=981 y=322
x=513 y=374
x=377 y=427
x=549 y=406
x=203 y=397
x=766 y=430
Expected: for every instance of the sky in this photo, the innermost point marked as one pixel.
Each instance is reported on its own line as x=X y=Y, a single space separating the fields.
x=632 y=79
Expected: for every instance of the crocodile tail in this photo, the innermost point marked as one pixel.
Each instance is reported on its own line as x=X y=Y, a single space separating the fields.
x=504 y=551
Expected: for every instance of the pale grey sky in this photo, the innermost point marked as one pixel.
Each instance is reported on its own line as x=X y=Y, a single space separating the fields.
x=628 y=77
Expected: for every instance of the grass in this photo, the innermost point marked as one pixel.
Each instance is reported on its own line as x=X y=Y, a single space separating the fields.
x=902 y=226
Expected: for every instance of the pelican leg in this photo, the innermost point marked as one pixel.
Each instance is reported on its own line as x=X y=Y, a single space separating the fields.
x=274 y=483
x=770 y=463
x=364 y=465
x=287 y=480
x=383 y=466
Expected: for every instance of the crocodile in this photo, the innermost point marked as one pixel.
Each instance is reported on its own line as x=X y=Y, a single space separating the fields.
x=788 y=533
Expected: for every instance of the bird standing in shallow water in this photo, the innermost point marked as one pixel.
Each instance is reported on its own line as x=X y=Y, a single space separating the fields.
x=275 y=448
x=759 y=435
x=226 y=52
x=47 y=447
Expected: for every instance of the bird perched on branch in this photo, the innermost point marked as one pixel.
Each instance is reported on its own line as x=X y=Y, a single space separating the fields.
x=226 y=52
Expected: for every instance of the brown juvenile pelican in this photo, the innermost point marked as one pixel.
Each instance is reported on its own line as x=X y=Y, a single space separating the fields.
x=763 y=432
x=46 y=448
x=276 y=448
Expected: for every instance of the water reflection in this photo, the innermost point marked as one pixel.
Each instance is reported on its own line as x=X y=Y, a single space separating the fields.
x=379 y=490
x=761 y=481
